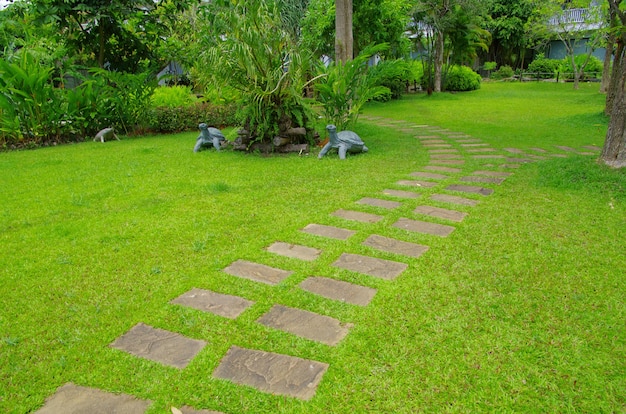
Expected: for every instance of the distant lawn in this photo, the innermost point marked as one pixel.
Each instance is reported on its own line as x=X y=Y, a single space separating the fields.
x=520 y=309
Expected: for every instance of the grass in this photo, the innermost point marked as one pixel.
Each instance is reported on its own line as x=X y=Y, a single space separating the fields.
x=521 y=309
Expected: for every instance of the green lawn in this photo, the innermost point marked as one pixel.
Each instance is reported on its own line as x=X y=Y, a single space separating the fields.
x=521 y=309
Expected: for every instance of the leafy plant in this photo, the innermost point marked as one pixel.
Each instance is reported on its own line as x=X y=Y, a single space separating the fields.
x=542 y=67
x=343 y=88
x=462 y=78
x=503 y=72
x=173 y=96
x=591 y=69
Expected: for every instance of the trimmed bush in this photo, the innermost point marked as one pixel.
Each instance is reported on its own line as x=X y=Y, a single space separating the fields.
x=543 y=68
x=593 y=69
x=173 y=96
x=461 y=79
x=503 y=73
x=184 y=118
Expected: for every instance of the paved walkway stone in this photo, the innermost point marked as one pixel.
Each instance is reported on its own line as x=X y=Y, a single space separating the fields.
x=433 y=141
x=74 y=399
x=520 y=160
x=384 y=269
x=437 y=145
x=445 y=156
x=377 y=202
x=443 y=151
x=159 y=345
x=479 y=179
x=339 y=290
x=190 y=410
x=401 y=193
x=592 y=147
x=539 y=149
x=395 y=246
x=564 y=148
x=493 y=173
x=488 y=157
x=441 y=213
x=305 y=324
x=224 y=305
x=328 y=231
x=433 y=176
x=446 y=198
x=470 y=189
x=272 y=373
x=448 y=162
x=468 y=140
x=257 y=272
x=424 y=227
x=357 y=216
x=442 y=169
x=513 y=150
x=474 y=145
x=477 y=150
x=294 y=251
x=414 y=183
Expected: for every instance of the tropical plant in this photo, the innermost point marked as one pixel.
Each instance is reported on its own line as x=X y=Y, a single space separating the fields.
x=542 y=67
x=461 y=79
x=586 y=66
x=343 y=88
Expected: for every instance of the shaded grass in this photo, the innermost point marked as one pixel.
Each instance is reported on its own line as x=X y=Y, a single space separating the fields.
x=520 y=309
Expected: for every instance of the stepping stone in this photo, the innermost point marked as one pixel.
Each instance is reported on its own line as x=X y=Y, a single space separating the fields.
x=470 y=189
x=441 y=213
x=339 y=290
x=377 y=202
x=165 y=347
x=592 y=147
x=401 y=193
x=437 y=145
x=477 y=150
x=568 y=149
x=357 y=216
x=442 y=169
x=445 y=156
x=538 y=150
x=305 y=324
x=513 y=150
x=328 y=231
x=520 y=160
x=558 y=155
x=424 y=227
x=477 y=179
x=433 y=141
x=433 y=176
x=412 y=183
x=482 y=144
x=395 y=246
x=493 y=173
x=448 y=162
x=257 y=272
x=490 y=156
x=74 y=399
x=190 y=410
x=227 y=306
x=427 y=137
x=443 y=151
x=445 y=198
x=294 y=251
x=469 y=140
x=384 y=269
x=514 y=165
x=271 y=373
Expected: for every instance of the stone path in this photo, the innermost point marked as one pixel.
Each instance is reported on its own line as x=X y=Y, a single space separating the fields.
x=444 y=190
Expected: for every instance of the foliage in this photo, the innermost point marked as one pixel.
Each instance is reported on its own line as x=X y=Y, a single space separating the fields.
x=462 y=79
x=506 y=23
x=542 y=67
x=248 y=50
x=588 y=67
x=503 y=72
x=343 y=88
x=489 y=66
x=173 y=96
x=394 y=75
x=167 y=119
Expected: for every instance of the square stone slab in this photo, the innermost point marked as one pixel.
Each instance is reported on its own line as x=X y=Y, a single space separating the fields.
x=414 y=183
x=377 y=202
x=227 y=306
x=424 y=227
x=357 y=216
x=257 y=272
x=474 y=145
x=477 y=179
x=190 y=410
x=305 y=324
x=592 y=147
x=442 y=169
x=165 y=347
x=488 y=157
x=272 y=373
x=443 y=151
x=384 y=269
x=295 y=251
x=328 y=231
x=437 y=145
x=564 y=148
x=442 y=213
x=477 y=150
x=513 y=150
x=520 y=160
x=493 y=173
x=445 y=156
x=433 y=141
x=446 y=198
x=432 y=176
x=395 y=246
x=74 y=399
x=538 y=149
x=339 y=290
x=469 y=140
x=470 y=189
x=448 y=162
x=401 y=193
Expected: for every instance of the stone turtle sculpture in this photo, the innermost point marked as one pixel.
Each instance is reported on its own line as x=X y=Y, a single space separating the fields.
x=344 y=141
x=209 y=136
x=106 y=134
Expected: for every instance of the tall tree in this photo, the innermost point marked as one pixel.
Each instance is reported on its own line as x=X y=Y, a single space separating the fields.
x=507 y=19
x=614 y=150
x=343 y=30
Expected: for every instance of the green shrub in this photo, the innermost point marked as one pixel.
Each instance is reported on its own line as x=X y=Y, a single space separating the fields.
x=165 y=119
x=503 y=72
x=593 y=68
x=462 y=78
x=542 y=67
x=392 y=74
x=173 y=96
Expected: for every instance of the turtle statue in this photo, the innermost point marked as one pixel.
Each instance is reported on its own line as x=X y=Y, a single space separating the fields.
x=106 y=134
x=209 y=136
x=344 y=141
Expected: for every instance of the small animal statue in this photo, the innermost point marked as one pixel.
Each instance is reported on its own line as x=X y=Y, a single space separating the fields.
x=344 y=141
x=107 y=134
x=209 y=136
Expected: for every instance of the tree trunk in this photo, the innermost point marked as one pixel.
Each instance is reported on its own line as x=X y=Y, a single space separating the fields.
x=439 y=50
x=613 y=81
x=606 y=69
x=614 y=151
x=343 y=30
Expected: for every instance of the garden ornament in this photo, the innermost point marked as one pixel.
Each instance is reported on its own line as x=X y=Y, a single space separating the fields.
x=209 y=136
x=106 y=134
x=344 y=141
